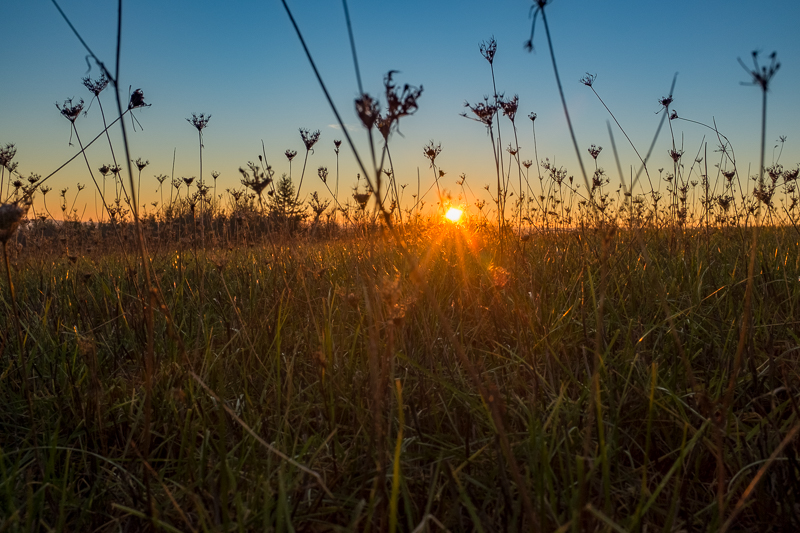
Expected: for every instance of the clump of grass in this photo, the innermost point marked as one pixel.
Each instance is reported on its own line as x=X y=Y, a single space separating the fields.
x=530 y=326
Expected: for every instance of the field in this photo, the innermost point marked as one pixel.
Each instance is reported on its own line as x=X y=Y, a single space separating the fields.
x=578 y=356
x=602 y=376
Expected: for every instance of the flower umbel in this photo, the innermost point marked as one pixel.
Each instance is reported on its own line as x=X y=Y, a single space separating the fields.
x=7 y=154
x=431 y=151
x=96 y=86
x=509 y=107
x=368 y=110
x=10 y=217
x=484 y=112
x=137 y=100
x=69 y=110
x=489 y=49
x=399 y=103
x=199 y=121
x=588 y=79
x=761 y=75
x=309 y=138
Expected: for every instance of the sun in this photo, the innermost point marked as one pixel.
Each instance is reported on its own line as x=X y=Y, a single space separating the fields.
x=453 y=214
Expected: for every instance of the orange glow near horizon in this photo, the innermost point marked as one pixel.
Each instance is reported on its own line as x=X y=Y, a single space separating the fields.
x=453 y=214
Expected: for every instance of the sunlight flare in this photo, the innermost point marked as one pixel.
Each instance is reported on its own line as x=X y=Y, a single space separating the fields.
x=453 y=214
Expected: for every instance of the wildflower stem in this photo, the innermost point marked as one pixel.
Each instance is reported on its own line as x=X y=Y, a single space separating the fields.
x=563 y=99
x=97 y=186
x=148 y=306
x=361 y=94
x=20 y=340
x=71 y=159
x=302 y=174
x=110 y=146
x=326 y=93
x=644 y=165
x=394 y=184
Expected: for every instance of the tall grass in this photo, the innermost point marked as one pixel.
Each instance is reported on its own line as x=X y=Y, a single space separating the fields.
x=287 y=342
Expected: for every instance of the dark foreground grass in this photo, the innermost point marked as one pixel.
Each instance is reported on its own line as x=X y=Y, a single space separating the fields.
x=326 y=351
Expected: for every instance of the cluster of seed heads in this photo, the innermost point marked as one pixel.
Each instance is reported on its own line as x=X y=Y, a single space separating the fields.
x=484 y=112
x=11 y=215
x=309 y=138
x=199 y=121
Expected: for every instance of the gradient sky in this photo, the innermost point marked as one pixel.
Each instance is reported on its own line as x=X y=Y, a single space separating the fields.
x=241 y=62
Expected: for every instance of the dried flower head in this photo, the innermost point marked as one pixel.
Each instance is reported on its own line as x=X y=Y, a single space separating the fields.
x=322 y=172
x=258 y=182
x=675 y=154
x=290 y=154
x=309 y=138
x=431 y=151
x=199 y=121
x=258 y=187
x=791 y=175
x=665 y=101
x=588 y=79
x=362 y=199
x=336 y=145
x=594 y=151
x=96 y=86
x=489 y=49
x=137 y=100
x=368 y=110
x=140 y=164
x=384 y=126
x=761 y=75
x=532 y=116
x=399 y=103
x=11 y=215
x=69 y=110
x=484 y=112
x=509 y=106
x=7 y=154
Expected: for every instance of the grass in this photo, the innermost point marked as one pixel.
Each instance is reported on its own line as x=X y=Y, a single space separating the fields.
x=302 y=340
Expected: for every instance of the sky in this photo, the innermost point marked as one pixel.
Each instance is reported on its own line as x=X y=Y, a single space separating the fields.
x=241 y=62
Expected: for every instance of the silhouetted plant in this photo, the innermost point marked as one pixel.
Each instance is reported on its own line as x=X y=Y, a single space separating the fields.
x=309 y=140
x=285 y=211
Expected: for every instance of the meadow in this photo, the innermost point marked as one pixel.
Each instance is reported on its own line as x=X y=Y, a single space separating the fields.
x=578 y=353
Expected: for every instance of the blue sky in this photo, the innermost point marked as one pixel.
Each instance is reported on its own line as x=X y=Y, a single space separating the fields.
x=241 y=62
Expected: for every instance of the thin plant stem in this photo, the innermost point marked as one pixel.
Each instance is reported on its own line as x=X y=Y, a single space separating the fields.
x=26 y=386
x=563 y=99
